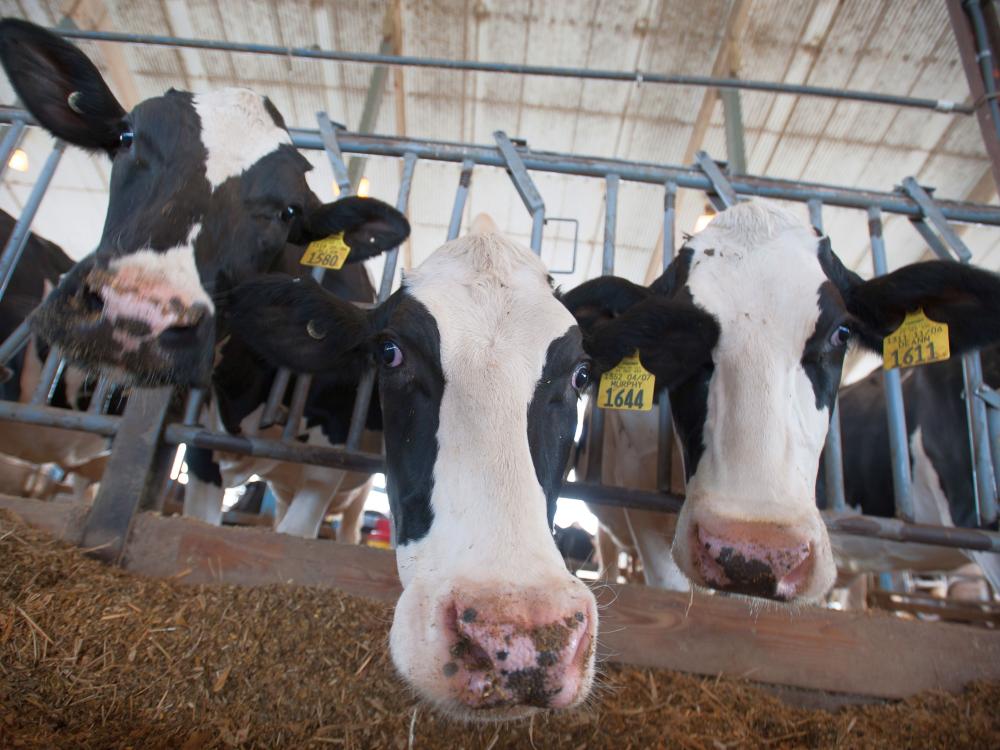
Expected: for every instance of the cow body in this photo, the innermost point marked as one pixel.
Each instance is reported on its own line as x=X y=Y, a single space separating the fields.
x=747 y=329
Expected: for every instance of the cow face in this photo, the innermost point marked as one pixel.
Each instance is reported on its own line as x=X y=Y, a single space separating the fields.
x=747 y=329
x=206 y=190
x=480 y=368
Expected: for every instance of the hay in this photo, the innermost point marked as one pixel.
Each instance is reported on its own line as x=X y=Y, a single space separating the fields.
x=91 y=657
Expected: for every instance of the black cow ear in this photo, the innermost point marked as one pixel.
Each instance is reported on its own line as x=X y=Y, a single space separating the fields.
x=964 y=297
x=370 y=226
x=601 y=300
x=293 y=322
x=674 y=338
x=60 y=86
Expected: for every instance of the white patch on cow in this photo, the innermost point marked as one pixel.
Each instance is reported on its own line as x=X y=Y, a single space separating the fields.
x=237 y=131
x=496 y=317
x=755 y=269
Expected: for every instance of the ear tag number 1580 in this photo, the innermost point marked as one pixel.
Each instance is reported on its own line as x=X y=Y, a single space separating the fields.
x=628 y=387
x=918 y=341
x=329 y=252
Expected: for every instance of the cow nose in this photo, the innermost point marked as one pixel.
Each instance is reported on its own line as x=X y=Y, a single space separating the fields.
x=499 y=659
x=758 y=559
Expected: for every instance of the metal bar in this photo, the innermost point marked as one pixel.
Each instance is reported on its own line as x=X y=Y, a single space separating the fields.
x=297 y=407
x=10 y=140
x=525 y=187
x=983 y=469
x=331 y=144
x=992 y=399
x=895 y=412
x=176 y=434
x=645 y=172
x=732 y=110
x=17 y=340
x=464 y=181
x=51 y=370
x=612 y=183
x=369 y=114
x=133 y=480
x=631 y=76
x=99 y=398
x=192 y=407
x=933 y=241
x=984 y=86
x=363 y=397
x=720 y=184
x=275 y=397
x=665 y=433
x=933 y=214
x=19 y=235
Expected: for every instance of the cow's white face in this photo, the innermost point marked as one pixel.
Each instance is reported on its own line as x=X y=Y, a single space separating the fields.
x=480 y=367
x=749 y=521
x=747 y=329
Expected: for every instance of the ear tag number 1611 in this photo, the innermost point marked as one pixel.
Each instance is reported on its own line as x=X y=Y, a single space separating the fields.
x=628 y=386
x=918 y=341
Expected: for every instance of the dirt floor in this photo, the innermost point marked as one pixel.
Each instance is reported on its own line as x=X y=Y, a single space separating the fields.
x=91 y=657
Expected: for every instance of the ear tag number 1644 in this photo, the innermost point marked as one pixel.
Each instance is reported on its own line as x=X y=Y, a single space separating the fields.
x=628 y=386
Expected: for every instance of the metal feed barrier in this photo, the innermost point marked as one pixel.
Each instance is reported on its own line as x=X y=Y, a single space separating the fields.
x=144 y=436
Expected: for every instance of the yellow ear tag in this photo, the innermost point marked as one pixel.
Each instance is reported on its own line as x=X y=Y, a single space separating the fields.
x=918 y=341
x=329 y=252
x=628 y=386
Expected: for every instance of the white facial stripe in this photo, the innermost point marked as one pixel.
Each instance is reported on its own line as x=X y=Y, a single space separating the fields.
x=496 y=316
x=755 y=269
x=237 y=131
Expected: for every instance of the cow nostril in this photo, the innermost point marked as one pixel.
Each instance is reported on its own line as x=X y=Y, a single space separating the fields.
x=753 y=559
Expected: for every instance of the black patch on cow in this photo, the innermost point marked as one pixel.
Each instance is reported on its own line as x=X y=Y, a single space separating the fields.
x=202 y=466
x=821 y=360
x=675 y=276
x=552 y=415
x=411 y=408
x=275 y=114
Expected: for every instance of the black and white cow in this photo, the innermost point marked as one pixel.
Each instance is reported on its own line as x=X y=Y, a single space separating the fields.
x=747 y=329
x=940 y=461
x=206 y=191
x=480 y=368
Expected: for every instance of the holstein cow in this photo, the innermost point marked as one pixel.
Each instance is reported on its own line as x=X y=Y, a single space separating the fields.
x=747 y=329
x=38 y=271
x=480 y=368
x=206 y=192
x=940 y=460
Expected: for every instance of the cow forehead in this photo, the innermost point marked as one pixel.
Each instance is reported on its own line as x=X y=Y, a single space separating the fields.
x=755 y=268
x=494 y=308
x=237 y=130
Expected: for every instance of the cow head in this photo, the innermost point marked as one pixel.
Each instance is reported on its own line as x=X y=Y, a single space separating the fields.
x=206 y=190
x=747 y=329
x=480 y=368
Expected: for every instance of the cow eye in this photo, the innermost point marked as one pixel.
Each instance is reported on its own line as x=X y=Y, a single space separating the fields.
x=581 y=377
x=840 y=336
x=288 y=213
x=391 y=355
x=125 y=138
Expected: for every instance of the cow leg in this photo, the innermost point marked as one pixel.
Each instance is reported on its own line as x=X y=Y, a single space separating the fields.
x=204 y=491
x=652 y=534
x=349 y=531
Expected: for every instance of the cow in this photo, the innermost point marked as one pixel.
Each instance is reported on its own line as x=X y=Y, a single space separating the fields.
x=747 y=330
x=480 y=367
x=36 y=273
x=940 y=459
x=206 y=191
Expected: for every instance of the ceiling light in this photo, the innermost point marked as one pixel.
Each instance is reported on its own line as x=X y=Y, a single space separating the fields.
x=18 y=161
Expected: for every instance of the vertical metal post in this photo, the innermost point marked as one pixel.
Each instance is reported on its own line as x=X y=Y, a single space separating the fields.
x=296 y=408
x=17 y=340
x=192 y=407
x=525 y=187
x=665 y=433
x=99 y=397
x=10 y=140
x=363 y=398
x=464 y=181
x=898 y=446
x=19 y=236
x=833 y=452
x=992 y=399
x=51 y=370
x=983 y=470
x=612 y=183
x=732 y=111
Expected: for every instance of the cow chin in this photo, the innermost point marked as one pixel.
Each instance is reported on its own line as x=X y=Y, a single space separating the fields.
x=782 y=556
x=480 y=653
x=180 y=356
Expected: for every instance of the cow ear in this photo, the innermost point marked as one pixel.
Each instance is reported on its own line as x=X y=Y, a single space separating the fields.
x=60 y=86
x=964 y=297
x=293 y=322
x=601 y=300
x=370 y=226
x=674 y=338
